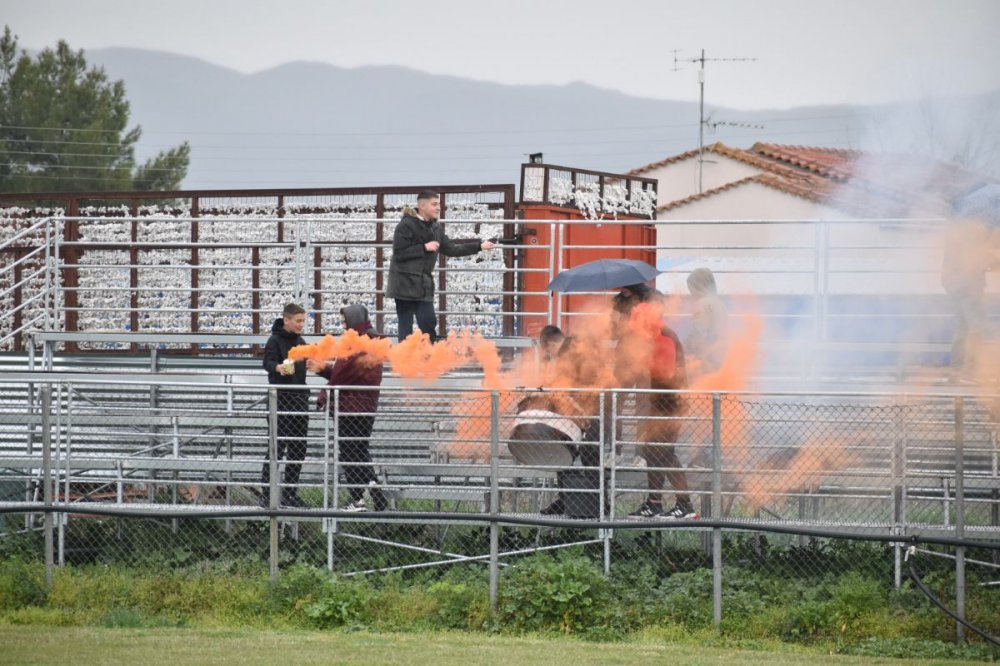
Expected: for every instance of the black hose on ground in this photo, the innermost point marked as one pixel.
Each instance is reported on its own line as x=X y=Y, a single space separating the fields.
x=914 y=574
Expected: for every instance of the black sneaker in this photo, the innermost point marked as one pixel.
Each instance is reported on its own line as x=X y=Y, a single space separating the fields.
x=378 y=498
x=681 y=511
x=555 y=509
x=292 y=501
x=648 y=510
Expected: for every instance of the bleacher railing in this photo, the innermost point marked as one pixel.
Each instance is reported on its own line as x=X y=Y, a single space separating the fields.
x=182 y=463
x=845 y=294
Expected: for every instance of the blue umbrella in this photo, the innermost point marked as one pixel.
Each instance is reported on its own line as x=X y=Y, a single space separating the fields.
x=982 y=202
x=603 y=274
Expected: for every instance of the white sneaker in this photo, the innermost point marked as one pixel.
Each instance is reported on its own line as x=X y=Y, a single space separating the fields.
x=356 y=506
x=681 y=511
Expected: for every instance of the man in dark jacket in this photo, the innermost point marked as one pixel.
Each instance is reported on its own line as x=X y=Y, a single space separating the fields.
x=418 y=239
x=356 y=411
x=293 y=428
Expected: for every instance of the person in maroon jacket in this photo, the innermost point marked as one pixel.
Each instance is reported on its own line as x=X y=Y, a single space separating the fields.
x=356 y=412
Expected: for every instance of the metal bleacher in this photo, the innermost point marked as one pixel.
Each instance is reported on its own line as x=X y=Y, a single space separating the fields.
x=132 y=427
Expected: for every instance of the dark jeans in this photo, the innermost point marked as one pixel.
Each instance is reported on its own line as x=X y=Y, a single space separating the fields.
x=657 y=448
x=423 y=311
x=353 y=432
x=292 y=431
x=970 y=319
x=588 y=452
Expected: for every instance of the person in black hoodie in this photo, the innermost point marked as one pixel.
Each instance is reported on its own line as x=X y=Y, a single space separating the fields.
x=355 y=411
x=293 y=428
x=418 y=239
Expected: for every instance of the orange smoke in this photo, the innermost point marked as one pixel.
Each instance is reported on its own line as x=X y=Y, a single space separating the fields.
x=413 y=358
x=816 y=460
x=740 y=362
x=587 y=363
x=348 y=344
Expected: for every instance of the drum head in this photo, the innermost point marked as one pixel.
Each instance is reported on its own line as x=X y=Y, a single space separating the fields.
x=539 y=444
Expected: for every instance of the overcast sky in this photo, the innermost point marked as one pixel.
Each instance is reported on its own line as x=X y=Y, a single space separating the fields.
x=808 y=51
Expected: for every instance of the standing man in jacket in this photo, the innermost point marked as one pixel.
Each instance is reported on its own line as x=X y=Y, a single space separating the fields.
x=708 y=340
x=355 y=411
x=293 y=427
x=650 y=355
x=416 y=243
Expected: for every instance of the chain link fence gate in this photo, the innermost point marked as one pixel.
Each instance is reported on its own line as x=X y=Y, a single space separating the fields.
x=157 y=472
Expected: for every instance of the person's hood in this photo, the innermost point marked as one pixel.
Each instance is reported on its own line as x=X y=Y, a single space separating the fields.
x=279 y=328
x=641 y=293
x=701 y=282
x=356 y=317
x=410 y=211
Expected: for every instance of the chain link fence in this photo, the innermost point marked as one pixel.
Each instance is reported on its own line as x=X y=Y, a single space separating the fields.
x=802 y=485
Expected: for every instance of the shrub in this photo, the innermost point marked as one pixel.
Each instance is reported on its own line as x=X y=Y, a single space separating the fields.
x=22 y=584
x=687 y=597
x=567 y=594
x=912 y=648
x=294 y=589
x=460 y=605
x=339 y=602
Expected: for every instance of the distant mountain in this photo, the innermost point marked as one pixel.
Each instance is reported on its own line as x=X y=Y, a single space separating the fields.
x=309 y=124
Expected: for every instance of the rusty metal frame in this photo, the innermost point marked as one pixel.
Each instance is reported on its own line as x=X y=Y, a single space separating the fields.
x=71 y=253
x=602 y=176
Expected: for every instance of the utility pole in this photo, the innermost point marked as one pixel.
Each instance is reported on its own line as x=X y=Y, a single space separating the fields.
x=702 y=121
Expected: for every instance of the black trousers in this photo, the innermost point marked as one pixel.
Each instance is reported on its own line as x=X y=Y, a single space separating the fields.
x=423 y=311
x=657 y=447
x=353 y=432
x=292 y=432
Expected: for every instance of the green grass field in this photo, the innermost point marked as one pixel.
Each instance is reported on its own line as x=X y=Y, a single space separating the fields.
x=93 y=646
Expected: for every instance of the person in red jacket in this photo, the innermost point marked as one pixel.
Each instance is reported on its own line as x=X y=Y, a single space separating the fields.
x=356 y=412
x=655 y=351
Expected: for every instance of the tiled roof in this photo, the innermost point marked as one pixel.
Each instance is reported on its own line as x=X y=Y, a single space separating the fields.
x=835 y=163
x=663 y=163
x=893 y=173
x=677 y=203
x=869 y=184
x=750 y=157
x=799 y=187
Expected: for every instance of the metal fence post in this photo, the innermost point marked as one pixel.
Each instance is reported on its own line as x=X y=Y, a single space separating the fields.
x=48 y=306
x=332 y=495
x=960 y=516
x=716 y=509
x=559 y=266
x=47 y=482
x=603 y=470
x=494 y=498
x=812 y=364
x=272 y=461
x=898 y=494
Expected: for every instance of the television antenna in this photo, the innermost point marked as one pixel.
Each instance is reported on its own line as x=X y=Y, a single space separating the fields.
x=702 y=120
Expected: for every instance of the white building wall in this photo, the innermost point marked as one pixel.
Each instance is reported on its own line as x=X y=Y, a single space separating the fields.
x=765 y=255
x=680 y=179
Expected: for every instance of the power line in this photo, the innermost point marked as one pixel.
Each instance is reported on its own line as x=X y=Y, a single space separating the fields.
x=409 y=133
x=437 y=146
x=353 y=160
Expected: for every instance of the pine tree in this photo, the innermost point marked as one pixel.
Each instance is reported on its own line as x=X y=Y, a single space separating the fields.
x=64 y=127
